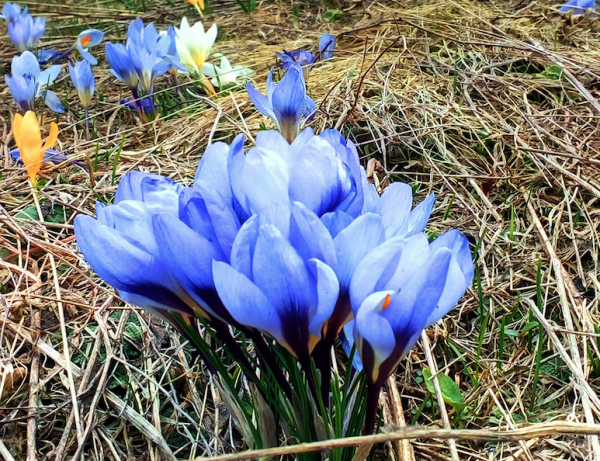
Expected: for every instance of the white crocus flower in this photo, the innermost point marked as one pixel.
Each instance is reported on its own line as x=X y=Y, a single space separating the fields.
x=225 y=75
x=193 y=44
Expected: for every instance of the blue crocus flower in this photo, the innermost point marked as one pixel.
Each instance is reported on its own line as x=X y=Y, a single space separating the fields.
x=87 y=39
x=121 y=246
x=162 y=239
x=149 y=65
x=25 y=31
x=153 y=55
x=27 y=83
x=11 y=11
x=400 y=288
x=326 y=47
x=83 y=79
x=285 y=102
x=119 y=58
x=391 y=217
x=579 y=7
x=279 y=280
x=310 y=171
x=303 y=58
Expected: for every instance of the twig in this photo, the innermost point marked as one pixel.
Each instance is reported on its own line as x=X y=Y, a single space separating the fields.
x=411 y=433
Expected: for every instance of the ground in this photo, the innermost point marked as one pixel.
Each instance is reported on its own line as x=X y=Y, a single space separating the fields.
x=492 y=105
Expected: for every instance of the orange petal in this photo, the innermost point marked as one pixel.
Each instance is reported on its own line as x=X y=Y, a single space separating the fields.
x=17 y=121
x=52 y=137
x=29 y=142
x=201 y=4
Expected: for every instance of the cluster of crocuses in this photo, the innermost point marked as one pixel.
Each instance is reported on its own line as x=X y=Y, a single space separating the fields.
x=286 y=241
x=28 y=82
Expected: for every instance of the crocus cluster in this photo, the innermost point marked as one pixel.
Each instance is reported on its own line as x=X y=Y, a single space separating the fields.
x=288 y=240
x=144 y=57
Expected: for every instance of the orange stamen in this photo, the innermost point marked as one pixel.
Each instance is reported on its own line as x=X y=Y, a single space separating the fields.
x=85 y=40
x=386 y=302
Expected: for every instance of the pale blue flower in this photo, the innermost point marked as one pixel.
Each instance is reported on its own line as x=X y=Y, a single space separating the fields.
x=279 y=280
x=84 y=82
x=86 y=40
x=285 y=102
x=326 y=47
x=25 y=31
x=27 y=83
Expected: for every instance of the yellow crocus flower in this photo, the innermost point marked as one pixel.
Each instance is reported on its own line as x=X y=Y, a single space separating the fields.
x=28 y=137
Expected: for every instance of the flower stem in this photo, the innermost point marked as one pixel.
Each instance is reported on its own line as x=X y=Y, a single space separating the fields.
x=372 y=407
x=87 y=124
x=269 y=361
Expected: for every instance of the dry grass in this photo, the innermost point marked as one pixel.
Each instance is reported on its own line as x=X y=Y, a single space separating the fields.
x=450 y=97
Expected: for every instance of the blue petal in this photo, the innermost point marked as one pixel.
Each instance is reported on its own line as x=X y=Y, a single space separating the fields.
x=273 y=140
x=375 y=329
x=261 y=102
x=265 y=179
x=309 y=108
x=375 y=270
x=318 y=179
x=328 y=290
x=354 y=242
x=189 y=258
x=246 y=303
x=326 y=46
x=283 y=276
x=417 y=220
x=132 y=270
x=88 y=57
x=460 y=272
x=347 y=340
x=242 y=252
x=310 y=237
x=288 y=102
x=336 y=221
x=23 y=91
x=25 y=64
x=52 y=101
x=396 y=203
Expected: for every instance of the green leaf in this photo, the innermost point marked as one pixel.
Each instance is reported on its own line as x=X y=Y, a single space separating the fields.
x=551 y=73
x=29 y=213
x=451 y=393
x=528 y=327
x=333 y=15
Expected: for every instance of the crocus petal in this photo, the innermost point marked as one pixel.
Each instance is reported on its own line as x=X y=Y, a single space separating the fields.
x=396 y=203
x=460 y=272
x=327 y=294
x=246 y=303
x=265 y=178
x=417 y=220
x=368 y=230
x=261 y=102
x=375 y=329
x=189 y=257
x=52 y=101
